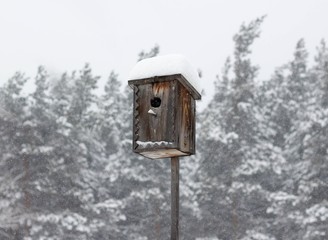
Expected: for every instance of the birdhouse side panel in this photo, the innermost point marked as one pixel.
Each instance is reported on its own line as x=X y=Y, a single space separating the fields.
x=186 y=121
x=193 y=126
x=154 y=115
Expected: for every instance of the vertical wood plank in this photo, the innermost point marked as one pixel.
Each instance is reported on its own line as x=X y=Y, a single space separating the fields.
x=193 y=127
x=174 y=198
x=135 y=117
x=185 y=120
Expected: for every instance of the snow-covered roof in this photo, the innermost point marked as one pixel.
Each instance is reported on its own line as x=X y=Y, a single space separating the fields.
x=166 y=65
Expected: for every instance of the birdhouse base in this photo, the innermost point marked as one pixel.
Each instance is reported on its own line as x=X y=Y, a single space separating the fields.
x=163 y=153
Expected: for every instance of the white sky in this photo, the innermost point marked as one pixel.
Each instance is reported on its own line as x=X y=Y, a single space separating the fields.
x=64 y=34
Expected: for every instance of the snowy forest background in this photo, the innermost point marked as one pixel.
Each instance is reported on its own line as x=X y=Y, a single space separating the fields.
x=260 y=173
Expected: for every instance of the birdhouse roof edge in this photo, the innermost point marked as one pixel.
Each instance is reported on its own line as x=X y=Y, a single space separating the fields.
x=179 y=77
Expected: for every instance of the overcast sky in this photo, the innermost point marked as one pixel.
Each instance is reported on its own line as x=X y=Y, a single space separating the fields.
x=64 y=34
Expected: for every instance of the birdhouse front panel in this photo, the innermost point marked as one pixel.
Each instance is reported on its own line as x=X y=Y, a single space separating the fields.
x=164 y=118
x=155 y=115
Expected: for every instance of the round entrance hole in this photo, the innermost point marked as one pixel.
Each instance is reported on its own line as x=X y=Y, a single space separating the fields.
x=155 y=102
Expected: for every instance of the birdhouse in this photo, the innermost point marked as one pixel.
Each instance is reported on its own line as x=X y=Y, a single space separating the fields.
x=165 y=90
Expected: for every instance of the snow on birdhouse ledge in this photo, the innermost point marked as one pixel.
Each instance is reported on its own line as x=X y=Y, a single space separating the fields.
x=167 y=65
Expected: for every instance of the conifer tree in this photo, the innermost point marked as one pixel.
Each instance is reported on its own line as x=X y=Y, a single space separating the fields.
x=83 y=98
x=12 y=114
x=111 y=106
x=232 y=155
x=305 y=209
x=151 y=53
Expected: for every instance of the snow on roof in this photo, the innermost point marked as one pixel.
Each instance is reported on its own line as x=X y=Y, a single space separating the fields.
x=166 y=65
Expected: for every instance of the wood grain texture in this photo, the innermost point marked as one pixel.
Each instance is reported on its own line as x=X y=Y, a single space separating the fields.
x=159 y=127
x=186 y=121
x=172 y=122
x=174 y=77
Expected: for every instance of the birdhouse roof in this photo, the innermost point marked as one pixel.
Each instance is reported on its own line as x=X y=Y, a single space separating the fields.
x=167 y=65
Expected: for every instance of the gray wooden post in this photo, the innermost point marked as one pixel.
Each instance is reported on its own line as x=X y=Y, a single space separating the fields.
x=174 y=198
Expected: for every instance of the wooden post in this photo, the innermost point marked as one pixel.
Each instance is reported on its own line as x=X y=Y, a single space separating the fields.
x=174 y=198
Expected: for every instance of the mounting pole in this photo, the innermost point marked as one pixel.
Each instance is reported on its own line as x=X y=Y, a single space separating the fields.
x=175 y=198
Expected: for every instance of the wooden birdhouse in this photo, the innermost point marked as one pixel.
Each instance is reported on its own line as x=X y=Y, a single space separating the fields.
x=164 y=107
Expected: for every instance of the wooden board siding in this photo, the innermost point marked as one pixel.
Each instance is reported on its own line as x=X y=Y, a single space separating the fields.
x=171 y=131
x=174 y=77
x=162 y=126
x=185 y=120
x=163 y=153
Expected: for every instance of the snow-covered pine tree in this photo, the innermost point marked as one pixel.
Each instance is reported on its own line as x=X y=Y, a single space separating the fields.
x=12 y=114
x=314 y=184
x=235 y=162
x=61 y=96
x=27 y=142
x=305 y=207
x=110 y=107
x=66 y=200
x=151 y=53
x=321 y=73
x=83 y=98
x=12 y=100
x=293 y=113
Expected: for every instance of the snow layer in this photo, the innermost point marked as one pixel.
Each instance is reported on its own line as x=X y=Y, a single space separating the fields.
x=151 y=144
x=166 y=65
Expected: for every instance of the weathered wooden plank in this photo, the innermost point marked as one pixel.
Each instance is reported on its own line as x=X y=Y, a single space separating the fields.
x=162 y=153
x=161 y=124
x=169 y=128
x=185 y=120
x=143 y=124
x=135 y=118
x=179 y=77
x=157 y=126
x=193 y=127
